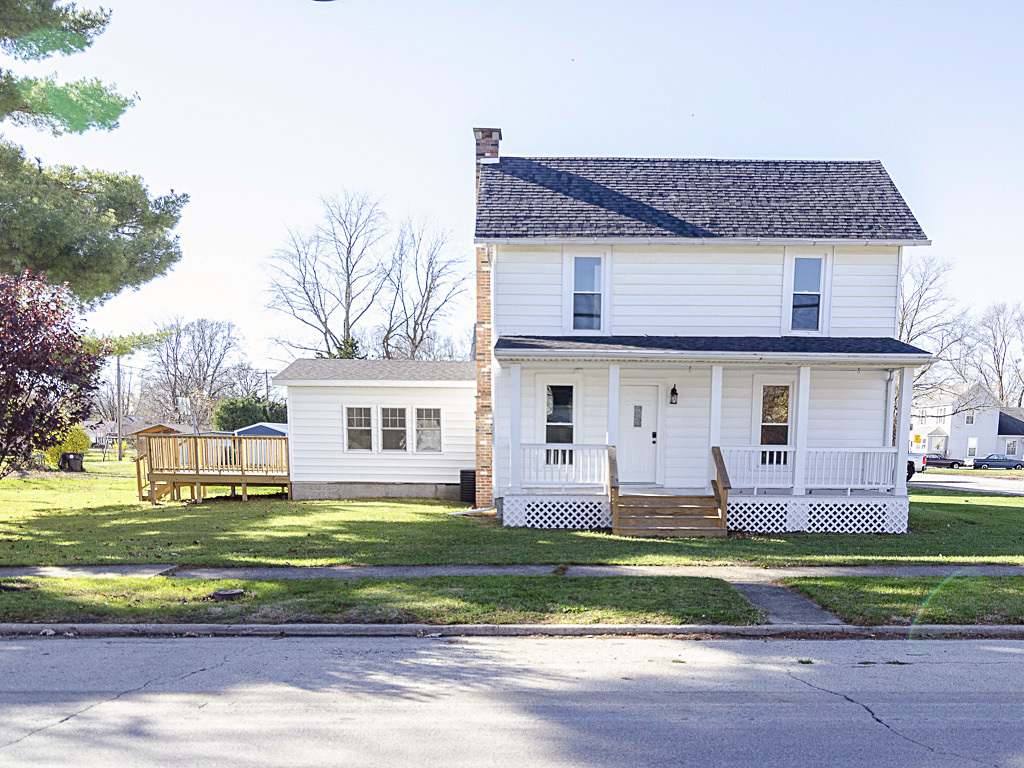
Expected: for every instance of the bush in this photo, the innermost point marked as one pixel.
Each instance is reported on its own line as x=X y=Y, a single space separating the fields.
x=75 y=441
x=233 y=413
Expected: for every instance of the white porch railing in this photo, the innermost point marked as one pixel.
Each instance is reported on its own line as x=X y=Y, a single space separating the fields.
x=772 y=466
x=850 y=468
x=563 y=464
x=760 y=466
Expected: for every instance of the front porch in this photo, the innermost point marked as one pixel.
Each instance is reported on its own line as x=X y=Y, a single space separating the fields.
x=825 y=458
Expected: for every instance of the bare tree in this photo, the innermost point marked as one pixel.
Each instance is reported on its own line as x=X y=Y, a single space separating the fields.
x=931 y=318
x=194 y=361
x=245 y=381
x=422 y=281
x=993 y=355
x=329 y=280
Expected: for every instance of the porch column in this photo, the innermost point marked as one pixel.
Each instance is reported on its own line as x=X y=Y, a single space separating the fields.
x=515 y=426
x=903 y=429
x=890 y=407
x=613 y=405
x=803 y=411
x=715 y=420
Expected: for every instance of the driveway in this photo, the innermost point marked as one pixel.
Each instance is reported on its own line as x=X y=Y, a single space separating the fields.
x=527 y=702
x=977 y=480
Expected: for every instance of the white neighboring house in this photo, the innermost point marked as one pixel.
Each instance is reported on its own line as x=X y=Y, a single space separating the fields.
x=967 y=426
x=931 y=423
x=669 y=307
x=378 y=428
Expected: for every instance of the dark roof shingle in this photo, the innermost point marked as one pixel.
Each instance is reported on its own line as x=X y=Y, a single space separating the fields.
x=858 y=345
x=377 y=370
x=1011 y=421
x=529 y=197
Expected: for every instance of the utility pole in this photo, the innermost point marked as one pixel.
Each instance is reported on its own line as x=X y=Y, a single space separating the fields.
x=120 y=449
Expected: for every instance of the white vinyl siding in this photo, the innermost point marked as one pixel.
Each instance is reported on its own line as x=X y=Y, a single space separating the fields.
x=865 y=287
x=527 y=290
x=698 y=291
x=316 y=418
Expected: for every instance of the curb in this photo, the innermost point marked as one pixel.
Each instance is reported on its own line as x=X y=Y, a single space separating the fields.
x=791 y=631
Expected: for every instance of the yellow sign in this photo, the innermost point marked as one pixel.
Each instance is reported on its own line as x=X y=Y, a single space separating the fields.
x=917 y=438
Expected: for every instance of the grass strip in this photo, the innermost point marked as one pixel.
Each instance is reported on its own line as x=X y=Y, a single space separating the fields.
x=95 y=518
x=437 y=600
x=873 y=601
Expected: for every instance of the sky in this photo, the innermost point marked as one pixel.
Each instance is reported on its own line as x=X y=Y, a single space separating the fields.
x=257 y=108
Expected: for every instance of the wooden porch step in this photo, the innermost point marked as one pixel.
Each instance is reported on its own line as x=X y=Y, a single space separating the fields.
x=672 y=533
x=704 y=509
x=655 y=521
x=657 y=500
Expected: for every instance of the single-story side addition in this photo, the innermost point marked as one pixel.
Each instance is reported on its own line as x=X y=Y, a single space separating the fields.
x=379 y=428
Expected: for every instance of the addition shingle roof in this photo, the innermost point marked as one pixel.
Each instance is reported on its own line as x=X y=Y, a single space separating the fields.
x=377 y=370
x=536 y=197
x=795 y=345
x=1011 y=421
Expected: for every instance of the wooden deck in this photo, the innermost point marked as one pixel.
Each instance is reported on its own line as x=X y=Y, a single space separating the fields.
x=172 y=463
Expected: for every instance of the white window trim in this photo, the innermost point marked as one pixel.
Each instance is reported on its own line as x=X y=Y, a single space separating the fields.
x=827 y=256
x=555 y=380
x=970 y=416
x=344 y=431
x=380 y=429
x=1008 y=441
x=972 y=445
x=569 y=288
x=761 y=381
x=413 y=410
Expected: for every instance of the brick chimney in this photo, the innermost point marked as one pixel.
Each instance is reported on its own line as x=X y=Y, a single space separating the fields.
x=486 y=152
x=487 y=143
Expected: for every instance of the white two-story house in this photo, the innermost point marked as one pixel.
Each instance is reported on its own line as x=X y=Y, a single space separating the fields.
x=639 y=318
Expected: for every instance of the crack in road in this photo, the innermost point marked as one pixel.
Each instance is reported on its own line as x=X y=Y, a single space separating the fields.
x=95 y=704
x=885 y=725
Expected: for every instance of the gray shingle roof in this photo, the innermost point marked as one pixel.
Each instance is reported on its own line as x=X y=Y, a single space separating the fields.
x=770 y=344
x=1011 y=421
x=525 y=197
x=377 y=370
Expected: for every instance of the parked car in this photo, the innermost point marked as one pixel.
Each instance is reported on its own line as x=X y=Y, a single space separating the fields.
x=998 y=461
x=938 y=460
x=915 y=463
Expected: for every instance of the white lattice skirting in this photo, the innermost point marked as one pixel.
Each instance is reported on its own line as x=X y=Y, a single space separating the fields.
x=575 y=512
x=839 y=514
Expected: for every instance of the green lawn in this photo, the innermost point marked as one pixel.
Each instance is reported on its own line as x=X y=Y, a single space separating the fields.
x=442 y=600
x=958 y=600
x=95 y=518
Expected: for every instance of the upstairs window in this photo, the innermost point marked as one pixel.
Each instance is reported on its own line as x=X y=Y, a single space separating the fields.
x=586 y=293
x=392 y=429
x=807 y=291
x=969 y=418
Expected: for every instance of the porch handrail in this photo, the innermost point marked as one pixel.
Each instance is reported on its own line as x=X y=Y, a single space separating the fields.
x=613 y=484
x=847 y=468
x=720 y=484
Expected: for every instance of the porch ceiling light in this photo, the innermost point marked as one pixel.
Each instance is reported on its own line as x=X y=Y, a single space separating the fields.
x=673 y=396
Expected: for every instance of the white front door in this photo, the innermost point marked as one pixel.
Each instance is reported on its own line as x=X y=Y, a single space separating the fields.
x=638 y=434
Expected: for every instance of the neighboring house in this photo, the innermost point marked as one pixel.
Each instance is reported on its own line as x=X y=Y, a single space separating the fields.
x=263 y=429
x=930 y=423
x=165 y=428
x=669 y=307
x=379 y=428
x=967 y=425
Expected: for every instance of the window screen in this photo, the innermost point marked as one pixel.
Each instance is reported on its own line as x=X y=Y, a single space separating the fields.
x=358 y=428
x=392 y=429
x=428 y=430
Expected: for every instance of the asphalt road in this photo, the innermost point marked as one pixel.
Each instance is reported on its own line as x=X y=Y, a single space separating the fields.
x=976 y=480
x=230 y=702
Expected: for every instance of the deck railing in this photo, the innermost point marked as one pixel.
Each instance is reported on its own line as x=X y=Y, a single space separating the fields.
x=564 y=464
x=200 y=454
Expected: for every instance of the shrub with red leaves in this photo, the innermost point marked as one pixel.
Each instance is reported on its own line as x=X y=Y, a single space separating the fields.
x=47 y=375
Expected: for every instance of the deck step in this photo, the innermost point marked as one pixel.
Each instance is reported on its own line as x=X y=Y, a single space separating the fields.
x=704 y=509
x=688 y=521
